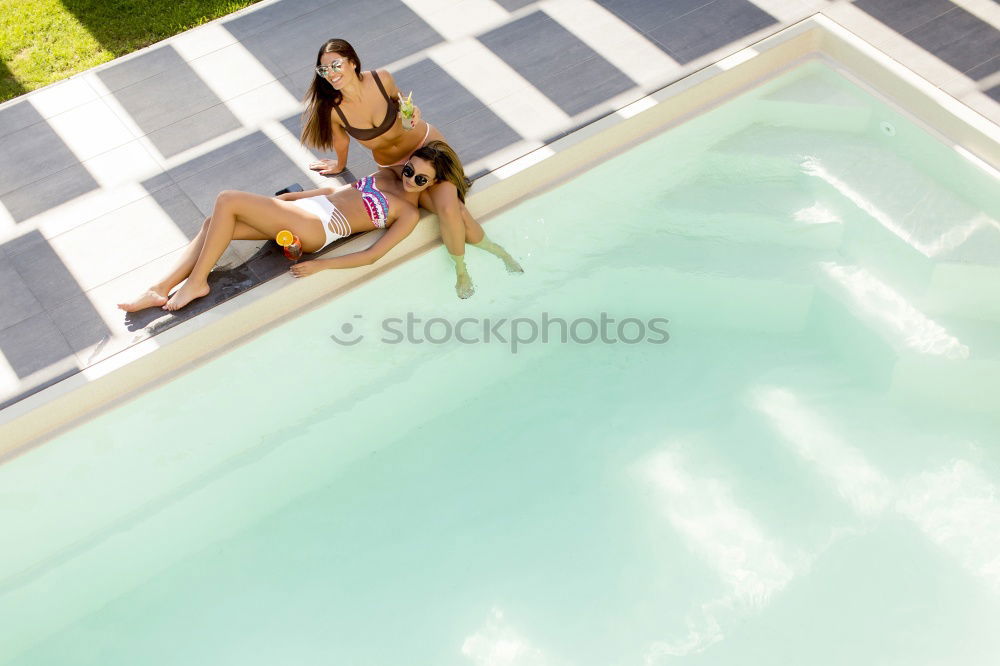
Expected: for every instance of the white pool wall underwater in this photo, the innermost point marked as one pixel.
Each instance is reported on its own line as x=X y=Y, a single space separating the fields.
x=179 y=349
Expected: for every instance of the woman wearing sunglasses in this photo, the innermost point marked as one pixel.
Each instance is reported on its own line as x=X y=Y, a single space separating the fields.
x=317 y=217
x=345 y=102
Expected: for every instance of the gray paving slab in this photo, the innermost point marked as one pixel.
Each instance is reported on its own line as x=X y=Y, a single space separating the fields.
x=555 y=61
x=478 y=134
x=514 y=5
x=710 y=27
x=35 y=345
x=260 y=168
x=17 y=303
x=991 y=66
x=42 y=270
x=645 y=15
x=180 y=209
x=994 y=93
x=17 y=116
x=291 y=45
x=48 y=190
x=174 y=107
x=36 y=152
x=905 y=15
x=79 y=323
x=960 y=38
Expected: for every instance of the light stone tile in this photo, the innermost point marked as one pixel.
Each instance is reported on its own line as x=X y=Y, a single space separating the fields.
x=615 y=40
x=509 y=95
x=231 y=71
x=517 y=111
x=202 y=40
x=987 y=10
x=455 y=20
x=117 y=242
x=10 y=383
x=267 y=103
x=90 y=129
x=63 y=96
x=124 y=165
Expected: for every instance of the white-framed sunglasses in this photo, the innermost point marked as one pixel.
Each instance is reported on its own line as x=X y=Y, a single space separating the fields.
x=336 y=67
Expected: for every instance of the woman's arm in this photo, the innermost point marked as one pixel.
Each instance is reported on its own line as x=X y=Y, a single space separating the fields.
x=396 y=232
x=292 y=196
x=341 y=143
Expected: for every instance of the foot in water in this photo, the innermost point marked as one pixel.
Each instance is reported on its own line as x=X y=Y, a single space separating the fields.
x=151 y=298
x=187 y=293
x=510 y=263
x=463 y=286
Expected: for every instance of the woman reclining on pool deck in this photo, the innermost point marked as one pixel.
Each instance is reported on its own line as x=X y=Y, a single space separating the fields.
x=388 y=199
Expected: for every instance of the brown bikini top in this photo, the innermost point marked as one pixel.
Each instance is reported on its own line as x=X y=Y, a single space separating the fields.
x=362 y=134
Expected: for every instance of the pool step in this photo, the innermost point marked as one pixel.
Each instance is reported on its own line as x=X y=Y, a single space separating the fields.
x=758 y=213
x=939 y=250
x=816 y=102
x=942 y=360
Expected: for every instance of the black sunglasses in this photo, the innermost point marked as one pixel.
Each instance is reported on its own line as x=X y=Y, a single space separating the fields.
x=420 y=180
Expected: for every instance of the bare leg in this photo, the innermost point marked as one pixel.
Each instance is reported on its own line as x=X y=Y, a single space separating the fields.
x=443 y=200
x=157 y=294
x=264 y=214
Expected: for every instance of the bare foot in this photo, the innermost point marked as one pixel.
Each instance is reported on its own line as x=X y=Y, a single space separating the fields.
x=463 y=286
x=510 y=263
x=149 y=299
x=187 y=293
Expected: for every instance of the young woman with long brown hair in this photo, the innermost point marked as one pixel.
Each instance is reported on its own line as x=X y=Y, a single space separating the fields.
x=343 y=102
x=386 y=199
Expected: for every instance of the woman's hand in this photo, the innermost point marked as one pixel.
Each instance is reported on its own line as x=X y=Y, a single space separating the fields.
x=416 y=115
x=306 y=268
x=326 y=167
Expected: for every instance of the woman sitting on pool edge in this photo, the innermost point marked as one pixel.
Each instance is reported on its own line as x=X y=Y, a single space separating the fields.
x=317 y=217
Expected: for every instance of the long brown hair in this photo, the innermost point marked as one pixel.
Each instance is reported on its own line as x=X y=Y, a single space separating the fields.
x=322 y=97
x=446 y=164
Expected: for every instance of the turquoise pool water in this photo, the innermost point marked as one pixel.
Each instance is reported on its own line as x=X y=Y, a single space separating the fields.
x=804 y=469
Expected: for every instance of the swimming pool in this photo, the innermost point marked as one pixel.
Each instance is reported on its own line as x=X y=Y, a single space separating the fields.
x=804 y=469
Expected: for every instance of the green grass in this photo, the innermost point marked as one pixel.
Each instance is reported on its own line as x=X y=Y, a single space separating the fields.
x=42 y=41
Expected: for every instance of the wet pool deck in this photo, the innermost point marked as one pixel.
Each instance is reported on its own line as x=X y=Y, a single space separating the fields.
x=106 y=176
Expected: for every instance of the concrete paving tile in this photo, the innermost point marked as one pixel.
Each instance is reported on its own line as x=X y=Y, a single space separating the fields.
x=441 y=98
x=556 y=62
x=262 y=169
x=231 y=71
x=49 y=191
x=42 y=270
x=217 y=159
x=80 y=323
x=477 y=135
x=978 y=72
x=267 y=17
x=121 y=240
x=536 y=46
x=62 y=96
x=262 y=105
x=139 y=67
x=710 y=27
x=514 y=5
x=90 y=129
x=17 y=303
x=168 y=97
x=16 y=115
x=904 y=15
x=192 y=131
x=34 y=345
x=34 y=152
x=961 y=39
x=645 y=15
x=994 y=92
